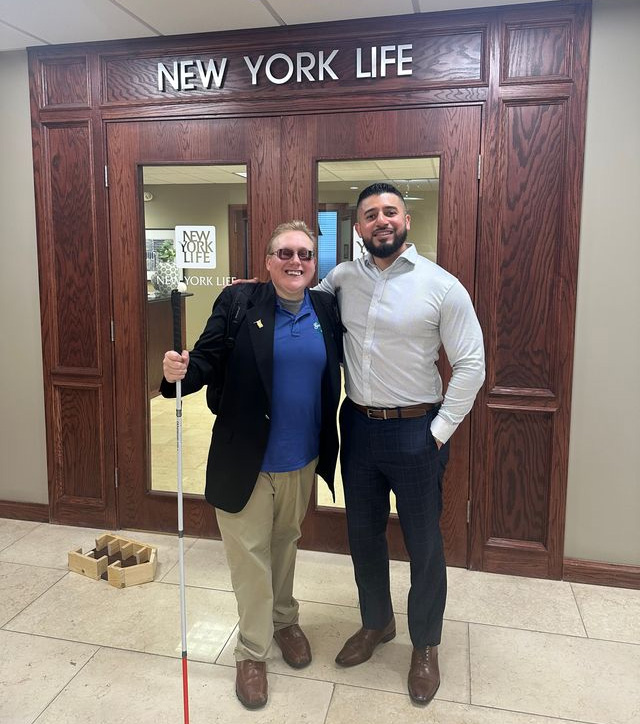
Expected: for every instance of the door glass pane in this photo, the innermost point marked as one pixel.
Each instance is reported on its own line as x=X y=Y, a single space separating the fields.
x=211 y=202
x=339 y=184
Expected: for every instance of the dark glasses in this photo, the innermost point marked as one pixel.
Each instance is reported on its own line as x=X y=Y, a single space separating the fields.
x=286 y=254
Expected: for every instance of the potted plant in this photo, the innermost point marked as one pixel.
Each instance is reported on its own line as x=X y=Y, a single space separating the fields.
x=167 y=275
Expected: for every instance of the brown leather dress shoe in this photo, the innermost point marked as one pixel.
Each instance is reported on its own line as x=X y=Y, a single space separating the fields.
x=251 y=683
x=294 y=645
x=360 y=647
x=424 y=675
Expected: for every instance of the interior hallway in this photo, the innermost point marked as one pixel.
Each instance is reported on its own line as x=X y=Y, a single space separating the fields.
x=515 y=650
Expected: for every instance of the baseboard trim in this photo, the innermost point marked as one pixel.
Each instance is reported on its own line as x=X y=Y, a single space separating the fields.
x=38 y=512
x=576 y=570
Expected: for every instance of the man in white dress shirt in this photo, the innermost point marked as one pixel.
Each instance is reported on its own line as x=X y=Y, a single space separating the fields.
x=398 y=308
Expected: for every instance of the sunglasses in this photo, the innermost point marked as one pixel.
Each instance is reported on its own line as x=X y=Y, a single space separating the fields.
x=286 y=254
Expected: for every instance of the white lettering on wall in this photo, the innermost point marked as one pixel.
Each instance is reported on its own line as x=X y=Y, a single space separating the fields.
x=372 y=67
x=280 y=68
x=185 y=72
x=402 y=60
x=208 y=281
x=305 y=68
x=253 y=68
x=271 y=61
x=212 y=73
x=324 y=65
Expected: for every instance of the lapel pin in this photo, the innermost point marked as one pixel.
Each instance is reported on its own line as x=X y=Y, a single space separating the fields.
x=259 y=324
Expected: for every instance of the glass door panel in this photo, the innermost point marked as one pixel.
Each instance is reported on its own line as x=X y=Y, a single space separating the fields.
x=339 y=184
x=213 y=197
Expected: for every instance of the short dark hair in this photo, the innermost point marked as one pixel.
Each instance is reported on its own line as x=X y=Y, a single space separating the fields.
x=381 y=187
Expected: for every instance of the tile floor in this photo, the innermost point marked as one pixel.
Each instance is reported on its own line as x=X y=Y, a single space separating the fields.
x=515 y=650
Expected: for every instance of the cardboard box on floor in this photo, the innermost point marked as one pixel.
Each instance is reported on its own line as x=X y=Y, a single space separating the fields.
x=121 y=561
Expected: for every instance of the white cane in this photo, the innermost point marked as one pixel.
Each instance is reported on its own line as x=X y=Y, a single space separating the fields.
x=176 y=307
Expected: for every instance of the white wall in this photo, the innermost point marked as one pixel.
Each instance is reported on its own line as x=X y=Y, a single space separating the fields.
x=603 y=507
x=23 y=473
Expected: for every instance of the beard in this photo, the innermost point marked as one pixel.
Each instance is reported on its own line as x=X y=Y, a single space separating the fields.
x=388 y=248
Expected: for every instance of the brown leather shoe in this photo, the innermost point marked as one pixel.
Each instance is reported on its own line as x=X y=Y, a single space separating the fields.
x=294 y=646
x=424 y=675
x=251 y=683
x=360 y=647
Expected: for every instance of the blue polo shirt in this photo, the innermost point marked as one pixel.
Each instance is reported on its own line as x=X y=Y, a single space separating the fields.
x=299 y=359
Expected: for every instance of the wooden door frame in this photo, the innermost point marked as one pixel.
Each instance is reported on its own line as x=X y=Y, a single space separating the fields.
x=130 y=146
x=452 y=134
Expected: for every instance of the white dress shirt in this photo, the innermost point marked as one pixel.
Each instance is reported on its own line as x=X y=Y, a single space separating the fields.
x=396 y=319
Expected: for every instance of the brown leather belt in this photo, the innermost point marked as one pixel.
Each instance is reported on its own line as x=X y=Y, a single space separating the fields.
x=393 y=413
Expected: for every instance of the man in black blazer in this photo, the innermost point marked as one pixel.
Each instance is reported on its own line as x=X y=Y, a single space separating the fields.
x=276 y=427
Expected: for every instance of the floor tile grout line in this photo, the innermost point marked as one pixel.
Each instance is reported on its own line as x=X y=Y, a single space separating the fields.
x=484 y=707
x=541 y=716
x=552 y=717
x=37 y=598
x=89 y=659
x=575 y=598
x=35 y=565
x=469 y=661
x=551 y=633
x=333 y=693
x=13 y=542
x=224 y=645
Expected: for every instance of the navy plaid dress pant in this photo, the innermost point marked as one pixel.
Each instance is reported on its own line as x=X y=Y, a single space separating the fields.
x=378 y=456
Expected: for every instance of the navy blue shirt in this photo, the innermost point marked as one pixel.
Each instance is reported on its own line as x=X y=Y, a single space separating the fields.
x=299 y=359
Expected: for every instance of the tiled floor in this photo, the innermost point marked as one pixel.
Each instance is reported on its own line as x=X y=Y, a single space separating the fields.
x=515 y=650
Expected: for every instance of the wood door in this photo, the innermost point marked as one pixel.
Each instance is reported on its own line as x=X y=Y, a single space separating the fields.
x=130 y=146
x=453 y=135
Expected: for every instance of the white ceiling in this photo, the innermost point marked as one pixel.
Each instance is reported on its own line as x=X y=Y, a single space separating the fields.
x=24 y=23
x=408 y=174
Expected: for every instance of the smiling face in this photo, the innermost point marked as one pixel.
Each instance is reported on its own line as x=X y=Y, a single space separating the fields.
x=291 y=277
x=383 y=223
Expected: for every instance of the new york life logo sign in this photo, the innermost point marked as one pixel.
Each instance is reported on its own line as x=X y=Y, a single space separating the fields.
x=196 y=247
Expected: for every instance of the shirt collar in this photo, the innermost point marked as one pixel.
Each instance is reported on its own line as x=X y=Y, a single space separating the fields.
x=408 y=256
x=306 y=303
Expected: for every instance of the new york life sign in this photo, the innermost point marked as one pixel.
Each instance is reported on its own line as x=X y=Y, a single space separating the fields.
x=279 y=68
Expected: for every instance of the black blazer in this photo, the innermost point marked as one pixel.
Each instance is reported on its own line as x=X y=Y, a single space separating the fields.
x=241 y=429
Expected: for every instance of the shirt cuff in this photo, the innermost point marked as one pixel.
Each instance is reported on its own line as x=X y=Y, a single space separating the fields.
x=441 y=429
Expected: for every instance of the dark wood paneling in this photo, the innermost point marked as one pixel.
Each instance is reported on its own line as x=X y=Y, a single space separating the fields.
x=73 y=252
x=536 y=51
x=439 y=59
x=526 y=70
x=65 y=83
x=80 y=464
x=520 y=475
x=532 y=225
x=601 y=574
x=527 y=268
x=38 y=512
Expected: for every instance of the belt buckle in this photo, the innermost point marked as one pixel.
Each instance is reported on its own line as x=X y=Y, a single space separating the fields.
x=371 y=410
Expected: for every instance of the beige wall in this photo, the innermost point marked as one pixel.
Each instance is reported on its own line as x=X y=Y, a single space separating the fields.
x=23 y=473
x=603 y=508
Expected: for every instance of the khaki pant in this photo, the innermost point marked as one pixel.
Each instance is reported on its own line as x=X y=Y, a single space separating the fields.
x=261 y=544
